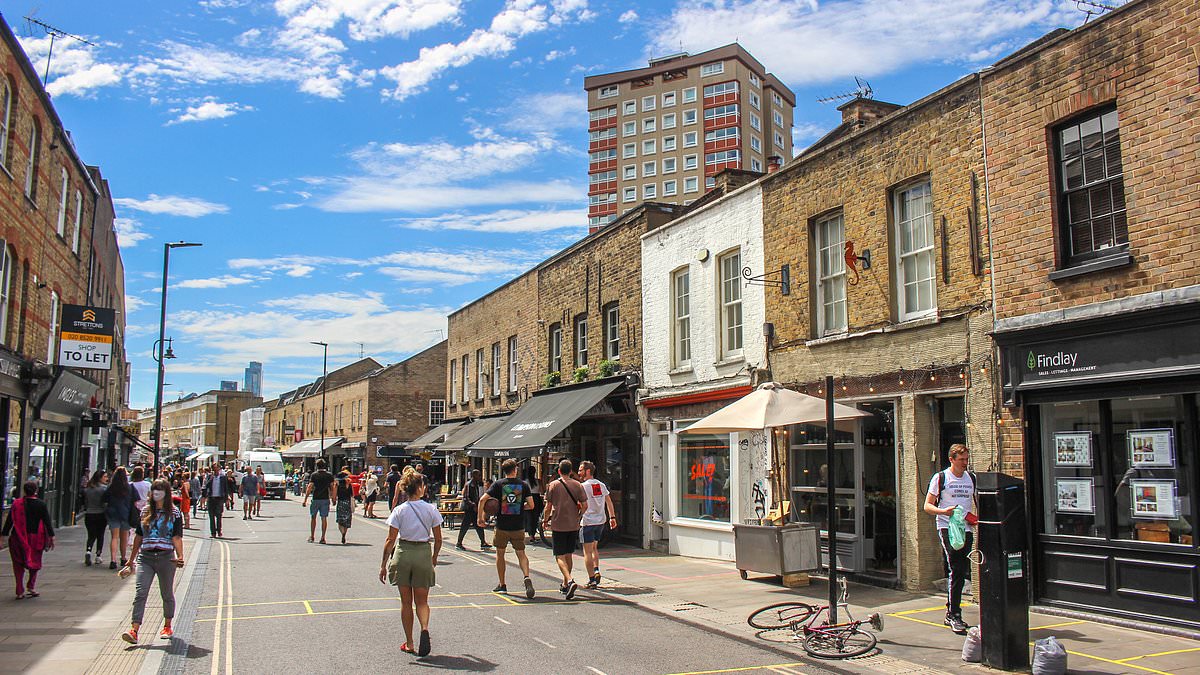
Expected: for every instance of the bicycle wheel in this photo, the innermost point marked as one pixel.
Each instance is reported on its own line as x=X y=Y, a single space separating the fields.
x=780 y=615
x=839 y=643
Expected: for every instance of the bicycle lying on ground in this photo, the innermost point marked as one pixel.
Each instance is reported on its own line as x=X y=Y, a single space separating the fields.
x=823 y=640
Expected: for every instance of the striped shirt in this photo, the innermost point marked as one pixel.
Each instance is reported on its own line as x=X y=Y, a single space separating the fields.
x=158 y=534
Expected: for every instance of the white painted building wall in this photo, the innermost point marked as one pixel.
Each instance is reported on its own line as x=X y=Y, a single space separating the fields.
x=698 y=241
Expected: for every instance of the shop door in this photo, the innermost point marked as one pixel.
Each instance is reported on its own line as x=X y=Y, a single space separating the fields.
x=619 y=466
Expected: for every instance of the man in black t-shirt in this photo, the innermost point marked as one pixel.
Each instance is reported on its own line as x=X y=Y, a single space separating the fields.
x=322 y=489
x=392 y=479
x=514 y=497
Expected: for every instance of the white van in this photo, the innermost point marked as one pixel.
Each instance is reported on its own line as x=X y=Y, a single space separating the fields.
x=272 y=466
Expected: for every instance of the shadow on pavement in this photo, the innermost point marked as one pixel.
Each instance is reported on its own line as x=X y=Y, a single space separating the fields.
x=466 y=663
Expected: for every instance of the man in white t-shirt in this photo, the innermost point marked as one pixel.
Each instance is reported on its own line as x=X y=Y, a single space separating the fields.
x=949 y=489
x=599 y=505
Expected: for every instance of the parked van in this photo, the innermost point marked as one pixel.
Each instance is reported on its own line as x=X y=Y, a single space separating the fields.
x=272 y=466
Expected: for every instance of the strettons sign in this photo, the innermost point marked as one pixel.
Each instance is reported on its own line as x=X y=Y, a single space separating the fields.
x=86 y=337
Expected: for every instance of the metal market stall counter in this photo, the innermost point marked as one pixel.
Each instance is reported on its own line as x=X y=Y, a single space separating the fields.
x=776 y=550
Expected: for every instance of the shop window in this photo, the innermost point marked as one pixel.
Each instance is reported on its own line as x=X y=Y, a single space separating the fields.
x=497 y=365
x=704 y=477
x=1091 y=188
x=1120 y=469
x=810 y=476
x=581 y=341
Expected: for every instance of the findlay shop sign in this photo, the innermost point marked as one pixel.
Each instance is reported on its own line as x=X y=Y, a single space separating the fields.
x=1162 y=350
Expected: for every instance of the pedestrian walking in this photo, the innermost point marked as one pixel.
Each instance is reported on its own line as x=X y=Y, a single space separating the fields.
x=118 y=510
x=370 y=492
x=93 y=515
x=409 y=561
x=949 y=489
x=533 y=516
x=232 y=481
x=141 y=486
x=471 y=494
x=249 y=492
x=392 y=479
x=512 y=496
x=262 y=491
x=599 y=513
x=216 y=492
x=565 y=504
x=198 y=483
x=29 y=533
x=186 y=497
x=157 y=552
x=321 y=488
x=344 y=513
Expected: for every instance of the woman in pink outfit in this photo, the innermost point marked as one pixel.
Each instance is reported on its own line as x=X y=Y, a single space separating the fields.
x=29 y=533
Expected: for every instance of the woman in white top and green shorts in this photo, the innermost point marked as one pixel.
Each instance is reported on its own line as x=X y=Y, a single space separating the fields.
x=409 y=558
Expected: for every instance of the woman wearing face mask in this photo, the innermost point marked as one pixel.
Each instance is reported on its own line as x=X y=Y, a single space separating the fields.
x=158 y=552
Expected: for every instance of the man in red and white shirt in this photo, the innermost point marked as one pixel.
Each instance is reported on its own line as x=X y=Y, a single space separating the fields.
x=599 y=505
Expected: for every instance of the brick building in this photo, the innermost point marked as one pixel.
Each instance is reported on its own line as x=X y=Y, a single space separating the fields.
x=208 y=422
x=52 y=211
x=905 y=336
x=1093 y=154
x=563 y=333
x=371 y=411
x=662 y=133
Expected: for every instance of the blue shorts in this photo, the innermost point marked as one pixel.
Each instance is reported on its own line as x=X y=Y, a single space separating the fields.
x=119 y=523
x=319 y=506
x=591 y=533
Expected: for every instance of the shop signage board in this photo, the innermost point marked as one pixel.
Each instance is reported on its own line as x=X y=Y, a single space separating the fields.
x=10 y=375
x=86 y=337
x=68 y=399
x=384 y=423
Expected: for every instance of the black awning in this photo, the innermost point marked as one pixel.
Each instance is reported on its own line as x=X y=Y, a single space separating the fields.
x=468 y=434
x=545 y=415
x=433 y=436
x=392 y=451
x=68 y=399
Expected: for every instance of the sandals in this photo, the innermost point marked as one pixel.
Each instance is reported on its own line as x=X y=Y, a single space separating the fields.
x=406 y=649
x=30 y=593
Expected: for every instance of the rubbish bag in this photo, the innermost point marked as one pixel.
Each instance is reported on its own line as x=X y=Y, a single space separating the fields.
x=1049 y=657
x=973 y=646
x=958 y=528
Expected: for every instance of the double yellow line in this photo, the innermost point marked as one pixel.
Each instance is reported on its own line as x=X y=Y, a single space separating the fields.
x=224 y=604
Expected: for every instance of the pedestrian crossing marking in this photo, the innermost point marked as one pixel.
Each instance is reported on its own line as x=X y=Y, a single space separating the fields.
x=372 y=610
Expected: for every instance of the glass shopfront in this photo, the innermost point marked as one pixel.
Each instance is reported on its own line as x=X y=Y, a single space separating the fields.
x=704 y=477
x=864 y=477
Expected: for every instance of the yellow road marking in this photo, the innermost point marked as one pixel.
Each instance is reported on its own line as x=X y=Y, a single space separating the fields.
x=925 y=609
x=396 y=609
x=927 y=623
x=307 y=607
x=742 y=670
x=505 y=597
x=386 y=597
x=1117 y=663
x=1150 y=656
x=1057 y=625
x=228 y=599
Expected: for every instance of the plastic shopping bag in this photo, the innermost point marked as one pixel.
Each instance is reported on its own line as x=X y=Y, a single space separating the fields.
x=958 y=528
x=1049 y=657
x=972 y=651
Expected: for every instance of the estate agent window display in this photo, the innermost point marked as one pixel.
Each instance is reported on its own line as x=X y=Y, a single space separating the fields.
x=1120 y=468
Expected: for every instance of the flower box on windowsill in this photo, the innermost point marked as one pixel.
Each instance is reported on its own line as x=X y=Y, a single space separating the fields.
x=1120 y=259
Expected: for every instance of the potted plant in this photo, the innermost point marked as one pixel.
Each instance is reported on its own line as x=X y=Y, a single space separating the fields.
x=580 y=374
x=607 y=368
x=552 y=380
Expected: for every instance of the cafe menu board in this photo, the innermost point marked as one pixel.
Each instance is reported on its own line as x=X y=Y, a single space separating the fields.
x=1073 y=448
x=1151 y=448
x=1075 y=495
x=1154 y=499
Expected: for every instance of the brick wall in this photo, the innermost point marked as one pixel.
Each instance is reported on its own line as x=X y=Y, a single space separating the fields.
x=402 y=392
x=1142 y=57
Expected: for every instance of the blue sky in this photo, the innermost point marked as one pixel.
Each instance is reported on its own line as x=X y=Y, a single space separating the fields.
x=356 y=169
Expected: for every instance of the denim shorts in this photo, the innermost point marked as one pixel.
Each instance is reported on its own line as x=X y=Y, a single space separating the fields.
x=319 y=507
x=118 y=523
x=591 y=533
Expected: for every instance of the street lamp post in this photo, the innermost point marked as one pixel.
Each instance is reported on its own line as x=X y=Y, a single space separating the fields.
x=162 y=335
x=324 y=373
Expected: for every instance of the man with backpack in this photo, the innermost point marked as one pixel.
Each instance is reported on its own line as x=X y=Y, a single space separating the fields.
x=512 y=496
x=949 y=489
x=565 y=504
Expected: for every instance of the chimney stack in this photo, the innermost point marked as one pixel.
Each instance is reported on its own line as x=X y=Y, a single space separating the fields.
x=773 y=163
x=864 y=110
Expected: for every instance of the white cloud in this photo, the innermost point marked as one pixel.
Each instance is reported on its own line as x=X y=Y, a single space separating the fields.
x=133 y=303
x=301 y=271
x=129 y=232
x=428 y=276
x=210 y=109
x=803 y=134
x=517 y=19
x=555 y=54
x=548 y=113
x=507 y=220
x=172 y=205
x=478 y=262
x=628 y=16
x=224 y=281
x=806 y=44
x=367 y=194
x=74 y=70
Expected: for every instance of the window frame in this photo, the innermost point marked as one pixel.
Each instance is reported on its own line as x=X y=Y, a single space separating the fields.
x=612 y=331
x=6 y=270
x=78 y=221
x=649 y=125
x=668 y=99
x=512 y=363
x=554 y=336
x=5 y=121
x=668 y=144
x=480 y=374
x=580 y=332
x=681 y=322
x=689 y=95
x=669 y=165
x=629 y=150
x=496 y=369
x=693 y=164
x=670 y=188
x=694 y=182
x=1062 y=195
x=690 y=116
x=649 y=147
x=649 y=103
x=695 y=139
x=710 y=69
x=437 y=411
x=629 y=128
x=925 y=252
x=823 y=278
x=629 y=194
x=609 y=91
x=465 y=362
x=51 y=347
x=453 y=381
x=649 y=169
x=726 y=301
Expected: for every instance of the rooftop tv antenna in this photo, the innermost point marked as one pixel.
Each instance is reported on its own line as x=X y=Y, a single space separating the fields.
x=1092 y=8
x=361 y=347
x=862 y=89
x=54 y=33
